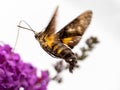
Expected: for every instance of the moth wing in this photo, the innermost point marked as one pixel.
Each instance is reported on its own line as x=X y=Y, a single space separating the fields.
x=71 y=41
x=72 y=32
x=49 y=33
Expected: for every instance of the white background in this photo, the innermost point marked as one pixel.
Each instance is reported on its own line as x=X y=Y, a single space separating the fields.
x=100 y=71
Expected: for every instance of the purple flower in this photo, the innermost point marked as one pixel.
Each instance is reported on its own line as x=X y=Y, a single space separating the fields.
x=14 y=73
x=43 y=81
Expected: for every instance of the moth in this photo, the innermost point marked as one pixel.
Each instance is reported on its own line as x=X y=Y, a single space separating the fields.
x=60 y=44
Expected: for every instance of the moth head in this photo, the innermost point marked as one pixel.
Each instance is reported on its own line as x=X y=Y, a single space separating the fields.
x=38 y=35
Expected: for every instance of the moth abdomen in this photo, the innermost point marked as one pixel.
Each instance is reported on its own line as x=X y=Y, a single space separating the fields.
x=70 y=58
x=60 y=49
x=65 y=53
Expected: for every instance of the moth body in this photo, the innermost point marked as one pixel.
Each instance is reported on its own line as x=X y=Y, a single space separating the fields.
x=60 y=44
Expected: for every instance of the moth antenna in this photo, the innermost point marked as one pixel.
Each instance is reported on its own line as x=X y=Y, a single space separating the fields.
x=19 y=26
x=30 y=29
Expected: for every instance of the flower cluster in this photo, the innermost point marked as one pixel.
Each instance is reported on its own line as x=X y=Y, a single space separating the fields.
x=14 y=73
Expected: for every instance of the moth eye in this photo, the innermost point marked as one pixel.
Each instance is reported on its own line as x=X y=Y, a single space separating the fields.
x=36 y=35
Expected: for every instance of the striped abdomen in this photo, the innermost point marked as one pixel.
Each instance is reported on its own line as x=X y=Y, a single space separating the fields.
x=64 y=52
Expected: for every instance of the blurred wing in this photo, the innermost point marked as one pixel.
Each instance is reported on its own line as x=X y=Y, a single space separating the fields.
x=72 y=33
x=49 y=32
